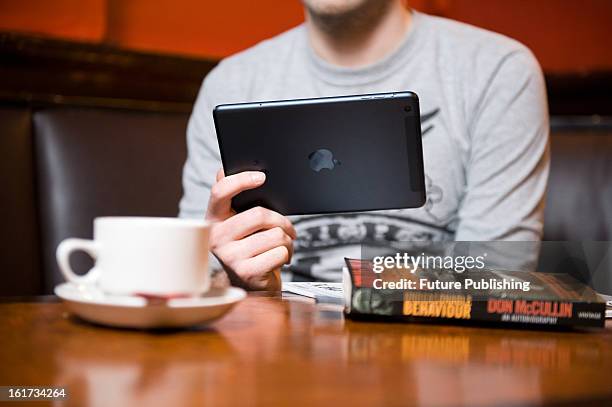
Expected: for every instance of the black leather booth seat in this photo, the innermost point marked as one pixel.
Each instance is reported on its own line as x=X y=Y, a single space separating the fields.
x=20 y=266
x=68 y=166
x=578 y=215
x=62 y=167
x=579 y=204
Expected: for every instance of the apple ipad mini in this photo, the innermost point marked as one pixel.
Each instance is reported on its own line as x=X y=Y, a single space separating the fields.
x=325 y=155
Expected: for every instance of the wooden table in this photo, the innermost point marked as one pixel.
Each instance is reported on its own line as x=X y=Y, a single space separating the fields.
x=288 y=351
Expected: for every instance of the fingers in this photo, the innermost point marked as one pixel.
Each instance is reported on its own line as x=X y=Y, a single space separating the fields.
x=256 y=244
x=267 y=261
x=258 y=271
x=252 y=245
x=261 y=242
x=254 y=220
x=221 y=194
x=253 y=261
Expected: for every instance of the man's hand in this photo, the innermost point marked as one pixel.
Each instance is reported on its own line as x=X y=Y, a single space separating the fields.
x=254 y=244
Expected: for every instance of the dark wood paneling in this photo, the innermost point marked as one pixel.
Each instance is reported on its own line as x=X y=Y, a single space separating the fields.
x=587 y=94
x=47 y=71
x=37 y=70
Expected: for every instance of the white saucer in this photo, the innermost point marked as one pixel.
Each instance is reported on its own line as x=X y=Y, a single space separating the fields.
x=93 y=305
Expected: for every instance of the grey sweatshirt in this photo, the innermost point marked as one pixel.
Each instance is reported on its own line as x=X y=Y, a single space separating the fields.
x=484 y=123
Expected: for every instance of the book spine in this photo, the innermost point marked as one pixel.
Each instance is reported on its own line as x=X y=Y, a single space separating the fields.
x=540 y=312
x=414 y=306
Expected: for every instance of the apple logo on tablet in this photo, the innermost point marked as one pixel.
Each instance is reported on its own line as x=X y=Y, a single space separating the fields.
x=322 y=159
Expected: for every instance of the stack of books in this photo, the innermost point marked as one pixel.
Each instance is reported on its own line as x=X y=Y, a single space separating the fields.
x=481 y=296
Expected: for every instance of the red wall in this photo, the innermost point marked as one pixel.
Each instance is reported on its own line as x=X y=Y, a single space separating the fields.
x=197 y=27
x=82 y=20
x=567 y=36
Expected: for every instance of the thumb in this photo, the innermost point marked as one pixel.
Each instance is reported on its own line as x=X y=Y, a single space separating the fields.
x=221 y=194
x=220 y=174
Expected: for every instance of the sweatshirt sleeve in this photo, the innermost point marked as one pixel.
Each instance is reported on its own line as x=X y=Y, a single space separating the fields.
x=203 y=158
x=508 y=165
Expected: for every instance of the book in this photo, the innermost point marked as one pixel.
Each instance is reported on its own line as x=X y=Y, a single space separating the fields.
x=473 y=296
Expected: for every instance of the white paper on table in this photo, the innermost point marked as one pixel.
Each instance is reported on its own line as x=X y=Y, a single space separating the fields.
x=315 y=289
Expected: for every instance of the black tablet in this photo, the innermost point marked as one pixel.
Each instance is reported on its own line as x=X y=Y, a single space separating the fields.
x=325 y=155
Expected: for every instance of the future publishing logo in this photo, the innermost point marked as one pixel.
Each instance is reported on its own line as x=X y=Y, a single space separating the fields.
x=435 y=264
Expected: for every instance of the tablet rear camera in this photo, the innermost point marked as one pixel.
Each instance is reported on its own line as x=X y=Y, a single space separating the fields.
x=408 y=109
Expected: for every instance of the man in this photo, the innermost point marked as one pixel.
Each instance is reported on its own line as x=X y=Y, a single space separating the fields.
x=484 y=124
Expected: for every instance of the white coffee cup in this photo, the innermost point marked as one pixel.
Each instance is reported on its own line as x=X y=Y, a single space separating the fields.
x=143 y=255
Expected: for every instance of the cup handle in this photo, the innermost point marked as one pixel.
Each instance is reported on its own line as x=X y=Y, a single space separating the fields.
x=65 y=249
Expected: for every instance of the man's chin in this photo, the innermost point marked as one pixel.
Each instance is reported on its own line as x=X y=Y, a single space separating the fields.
x=337 y=8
